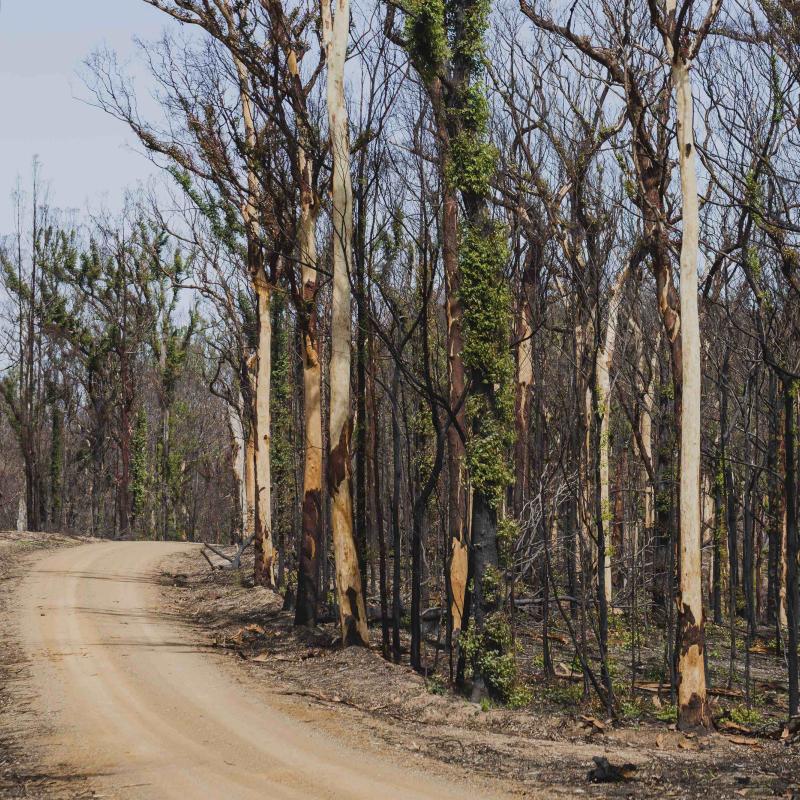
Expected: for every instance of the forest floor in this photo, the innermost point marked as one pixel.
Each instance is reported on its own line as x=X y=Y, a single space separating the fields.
x=544 y=749
x=131 y=670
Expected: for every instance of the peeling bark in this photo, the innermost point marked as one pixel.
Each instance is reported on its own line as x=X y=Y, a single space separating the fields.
x=310 y=545
x=352 y=613
x=264 y=567
x=693 y=710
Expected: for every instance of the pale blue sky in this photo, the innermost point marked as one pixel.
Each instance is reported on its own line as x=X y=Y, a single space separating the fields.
x=86 y=156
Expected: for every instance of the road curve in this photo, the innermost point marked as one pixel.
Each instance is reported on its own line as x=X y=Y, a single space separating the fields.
x=129 y=698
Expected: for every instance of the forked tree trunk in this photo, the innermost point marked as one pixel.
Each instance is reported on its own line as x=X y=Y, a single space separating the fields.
x=693 y=710
x=311 y=528
x=265 y=561
x=352 y=613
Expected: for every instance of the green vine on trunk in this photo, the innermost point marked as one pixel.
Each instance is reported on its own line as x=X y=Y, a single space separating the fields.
x=445 y=40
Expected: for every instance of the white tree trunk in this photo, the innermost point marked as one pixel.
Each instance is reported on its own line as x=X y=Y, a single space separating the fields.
x=238 y=450
x=605 y=357
x=352 y=613
x=693 y=708
x=22 y=512
x=250 y=483
x=264 y=569
x=264 y=550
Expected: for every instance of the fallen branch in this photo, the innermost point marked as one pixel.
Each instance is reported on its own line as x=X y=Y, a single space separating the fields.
x=656 y=688
x=234 y=561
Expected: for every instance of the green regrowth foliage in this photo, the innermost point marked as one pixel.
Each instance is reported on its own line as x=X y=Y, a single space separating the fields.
x=508 y=532
x=486 y=299
x=754 y=195
x=470 y=46
x=472 y=164
x=472 y=158
x=487 y=453
x=492 y=586
x=223 y=217
x=490 y=653
x=281 y=449
x=139 y=469
x=486 y=302
x=426 y=36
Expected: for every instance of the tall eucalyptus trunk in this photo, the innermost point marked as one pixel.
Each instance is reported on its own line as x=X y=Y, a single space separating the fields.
x=352 y=612
x=693 y=709
x=264 y=567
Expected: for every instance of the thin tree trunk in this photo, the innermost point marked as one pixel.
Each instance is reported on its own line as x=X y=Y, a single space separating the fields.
x=604 y=360
x=250 y=482
x=773 y=511
x=716 y=584
x=238 y=462
x=359 y=258
x=522 y=402
x=57 y=468
x=397 y=476
x=792 y=595
x=378 y=502
x=165 y=476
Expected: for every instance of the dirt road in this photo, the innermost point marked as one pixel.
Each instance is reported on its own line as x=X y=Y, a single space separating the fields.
x=128 y=697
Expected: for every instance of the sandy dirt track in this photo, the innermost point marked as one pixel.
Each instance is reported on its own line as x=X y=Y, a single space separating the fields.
x=130 y=699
